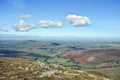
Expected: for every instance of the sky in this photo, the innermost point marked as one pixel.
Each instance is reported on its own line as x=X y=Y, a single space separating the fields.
x=78 y=18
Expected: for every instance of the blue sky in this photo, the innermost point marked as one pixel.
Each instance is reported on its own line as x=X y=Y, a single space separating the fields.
x=80 y=18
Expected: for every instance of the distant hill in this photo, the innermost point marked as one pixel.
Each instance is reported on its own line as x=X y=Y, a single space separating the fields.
x=18 y=69
x=95 y=55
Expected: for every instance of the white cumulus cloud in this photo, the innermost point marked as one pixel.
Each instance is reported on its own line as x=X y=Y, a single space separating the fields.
x=78 y=20
x=25 y=16
x=22 y=26
x=49 y=24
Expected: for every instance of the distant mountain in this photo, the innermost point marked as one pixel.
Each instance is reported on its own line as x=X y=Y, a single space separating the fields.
x=18 y=69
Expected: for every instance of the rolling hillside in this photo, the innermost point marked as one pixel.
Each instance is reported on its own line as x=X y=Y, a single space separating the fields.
x=18 y=69
x=95 y=55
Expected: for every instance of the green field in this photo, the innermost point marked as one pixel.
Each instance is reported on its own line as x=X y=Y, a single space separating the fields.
x=71 y=54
